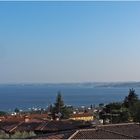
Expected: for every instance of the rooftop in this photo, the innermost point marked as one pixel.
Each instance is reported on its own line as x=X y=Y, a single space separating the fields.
x=114 y=131
x=41 y=126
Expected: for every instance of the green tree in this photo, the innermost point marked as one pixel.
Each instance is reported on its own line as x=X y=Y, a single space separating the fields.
x=115 y=112
x=50 y=108
x=131 y=99
x=113 y=107
x=66 y=111
x=59 y=104
x=2 y=113
x=17 y=110
x=60 y=109
x=124 y=114
x=135 y=111
x=101 y=105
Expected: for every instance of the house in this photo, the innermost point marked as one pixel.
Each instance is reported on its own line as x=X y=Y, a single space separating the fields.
x=62 y=125
x=2 y=118
x=113 y=131
x=70 y=129
x=82 y=116
x=24 y=117
x=38 y=116
x=41 y=127
x=98 y=134
x=19 y=123
x=56 y=135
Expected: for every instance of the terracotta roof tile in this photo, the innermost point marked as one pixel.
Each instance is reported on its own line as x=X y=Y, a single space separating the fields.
x=119 y=131
x=8 y=126
x=27 y=126
x=102 y=132
x=127 y=129
x=58 y=126
x=58 y=135
x=98 y=134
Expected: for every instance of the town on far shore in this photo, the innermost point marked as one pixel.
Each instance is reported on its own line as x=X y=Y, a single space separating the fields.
x=114 y=120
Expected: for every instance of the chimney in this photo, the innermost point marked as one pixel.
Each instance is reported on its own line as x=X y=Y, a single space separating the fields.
x=27 y=119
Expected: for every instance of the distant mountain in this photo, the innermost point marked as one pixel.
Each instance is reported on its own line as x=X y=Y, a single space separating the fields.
x=120 y=84
x=83 y=85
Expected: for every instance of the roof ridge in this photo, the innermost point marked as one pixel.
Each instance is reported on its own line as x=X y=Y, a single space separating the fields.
x=41 y=125
x=16 y=126
x=44 y=125
x=119 y=124
x=54 y=133
x=73 y=134
x=99 y=128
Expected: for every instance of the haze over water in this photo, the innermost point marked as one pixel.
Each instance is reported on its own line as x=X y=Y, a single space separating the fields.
x=41 y=96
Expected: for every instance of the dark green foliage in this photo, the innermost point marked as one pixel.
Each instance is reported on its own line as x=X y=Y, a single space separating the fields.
x=4 y=135
x=135 y=111
x=115 y=112
x=102 y=115
x=123 y=112
x=124 y=115
x=22 y=135
x=17 y=110
x=50 y=108
x=131 y=99
x=91 y=107
x=101 y=105
x=59 y=104
x=112 y=107
x=66 y=111
x=59 y=109
x=2 y=113
x=16 y=135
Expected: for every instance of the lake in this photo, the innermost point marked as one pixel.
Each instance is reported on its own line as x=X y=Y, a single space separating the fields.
x=27 y=96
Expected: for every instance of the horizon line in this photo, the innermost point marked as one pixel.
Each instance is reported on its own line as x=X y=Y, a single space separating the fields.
x=24 y=83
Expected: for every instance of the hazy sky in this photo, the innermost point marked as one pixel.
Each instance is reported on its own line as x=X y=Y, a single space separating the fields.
x=69 y=41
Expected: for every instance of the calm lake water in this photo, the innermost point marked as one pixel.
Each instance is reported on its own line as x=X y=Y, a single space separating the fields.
x=25 y=97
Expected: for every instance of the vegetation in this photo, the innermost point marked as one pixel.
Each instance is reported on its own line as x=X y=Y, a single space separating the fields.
x=2 y=113
x=3 y=135
x=59 y=104
x=22 y=135
x=17 y=110
x=126 y=111
x=16 y=135
x=59 y=109
x=135 y=112
x=131 y=99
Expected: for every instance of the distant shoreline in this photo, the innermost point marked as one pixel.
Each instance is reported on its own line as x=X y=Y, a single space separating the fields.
x=79 y=84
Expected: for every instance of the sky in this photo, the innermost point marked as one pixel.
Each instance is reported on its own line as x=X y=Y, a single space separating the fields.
x=58 y=42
